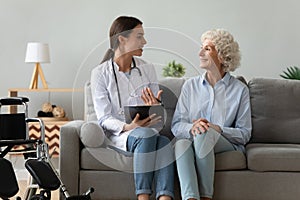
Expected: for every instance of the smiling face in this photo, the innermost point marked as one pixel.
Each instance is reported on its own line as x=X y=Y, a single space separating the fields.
x=211 y=62
x=209 y=56
x=134 y=43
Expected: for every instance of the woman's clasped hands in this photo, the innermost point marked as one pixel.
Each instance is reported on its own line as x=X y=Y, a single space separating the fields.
x=202 y=125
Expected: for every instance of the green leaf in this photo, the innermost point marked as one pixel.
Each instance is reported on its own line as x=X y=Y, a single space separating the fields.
x=292 y=72
x=174 y=70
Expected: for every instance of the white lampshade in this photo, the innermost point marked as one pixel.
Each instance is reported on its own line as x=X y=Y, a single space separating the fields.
x=37 y=53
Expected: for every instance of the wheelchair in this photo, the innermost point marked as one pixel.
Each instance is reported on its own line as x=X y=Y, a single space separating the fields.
x=14 y=132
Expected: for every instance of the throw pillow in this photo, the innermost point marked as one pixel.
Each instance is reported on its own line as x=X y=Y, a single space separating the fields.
x=92 y=135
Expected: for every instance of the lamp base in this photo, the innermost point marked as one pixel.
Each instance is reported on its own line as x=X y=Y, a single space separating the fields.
x=35 y=77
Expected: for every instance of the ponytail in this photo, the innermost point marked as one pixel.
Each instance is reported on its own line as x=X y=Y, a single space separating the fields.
x=108 y=55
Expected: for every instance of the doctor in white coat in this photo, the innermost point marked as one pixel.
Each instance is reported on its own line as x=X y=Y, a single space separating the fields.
x=123 y=79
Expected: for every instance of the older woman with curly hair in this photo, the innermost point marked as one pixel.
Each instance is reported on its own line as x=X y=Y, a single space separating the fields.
x=212 y=115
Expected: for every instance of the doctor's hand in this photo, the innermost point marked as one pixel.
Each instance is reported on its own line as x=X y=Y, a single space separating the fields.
x=149 y=98
x=136 y=122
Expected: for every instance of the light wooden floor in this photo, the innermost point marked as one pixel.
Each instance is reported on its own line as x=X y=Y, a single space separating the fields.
x=23 y=186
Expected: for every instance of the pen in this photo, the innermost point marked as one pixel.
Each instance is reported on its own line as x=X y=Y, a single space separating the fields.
x=159 y=101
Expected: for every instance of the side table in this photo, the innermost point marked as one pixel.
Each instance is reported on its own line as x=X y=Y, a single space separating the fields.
x=52 y=132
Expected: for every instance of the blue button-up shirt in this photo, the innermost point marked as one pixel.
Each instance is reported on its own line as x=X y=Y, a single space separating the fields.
x=227 y=104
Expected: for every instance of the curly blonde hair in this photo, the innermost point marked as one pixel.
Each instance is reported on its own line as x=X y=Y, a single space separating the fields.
x=226 y=46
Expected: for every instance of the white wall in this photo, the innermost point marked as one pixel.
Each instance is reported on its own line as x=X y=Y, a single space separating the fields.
x=268 y=32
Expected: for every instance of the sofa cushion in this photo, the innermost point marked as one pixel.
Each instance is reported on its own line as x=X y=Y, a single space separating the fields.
x=230 y=160
x=110 y=160
x=273 y=157
x=105 y=159
x=275 y=105
x=92 y=135
x=171 y=90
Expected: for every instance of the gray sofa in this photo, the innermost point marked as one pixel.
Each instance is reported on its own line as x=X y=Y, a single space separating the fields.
x=269 y=170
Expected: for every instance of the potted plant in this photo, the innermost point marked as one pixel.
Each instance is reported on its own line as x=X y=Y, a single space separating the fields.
x=173 y=69
x=292 y=72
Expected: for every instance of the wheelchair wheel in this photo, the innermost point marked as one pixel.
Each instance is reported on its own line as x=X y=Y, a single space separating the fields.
x=44 y=195
x=38 y=197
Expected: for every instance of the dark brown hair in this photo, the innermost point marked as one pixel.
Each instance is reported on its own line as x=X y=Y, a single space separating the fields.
x=123 y=25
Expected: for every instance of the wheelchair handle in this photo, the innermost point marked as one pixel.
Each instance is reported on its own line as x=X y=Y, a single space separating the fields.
x=13 y=100
x=42 y=126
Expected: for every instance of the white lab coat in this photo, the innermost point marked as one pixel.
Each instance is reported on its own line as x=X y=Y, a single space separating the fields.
x=105 y=96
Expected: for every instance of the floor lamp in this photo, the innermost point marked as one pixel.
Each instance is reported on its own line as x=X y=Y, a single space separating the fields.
x=37 y=53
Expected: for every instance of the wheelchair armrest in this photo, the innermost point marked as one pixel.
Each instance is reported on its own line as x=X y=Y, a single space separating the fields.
x=42 y=126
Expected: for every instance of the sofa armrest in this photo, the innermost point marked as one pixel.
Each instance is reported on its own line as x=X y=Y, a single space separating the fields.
x=69 y=158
